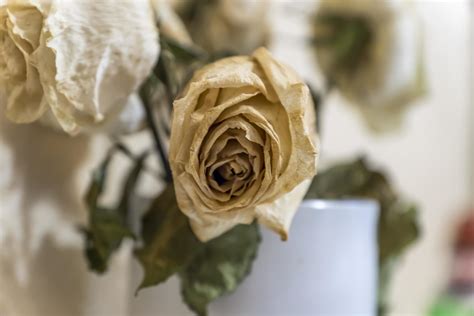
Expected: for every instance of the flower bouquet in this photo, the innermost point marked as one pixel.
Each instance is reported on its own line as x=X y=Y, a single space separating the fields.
x=233 y=129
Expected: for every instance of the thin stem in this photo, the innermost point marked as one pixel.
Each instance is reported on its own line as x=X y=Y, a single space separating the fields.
x=158 y=143
x=118 y=145
x=319 y=100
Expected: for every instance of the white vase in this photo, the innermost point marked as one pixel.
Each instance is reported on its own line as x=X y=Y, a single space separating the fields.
x=327 y=267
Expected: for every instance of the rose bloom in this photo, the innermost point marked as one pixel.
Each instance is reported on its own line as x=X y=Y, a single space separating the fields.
x=76 y=63
x=371 y=50
x=236 y=26
x=243 y=145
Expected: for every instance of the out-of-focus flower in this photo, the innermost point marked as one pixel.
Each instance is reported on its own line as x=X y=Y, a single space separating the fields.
x=80 y=60
x=243 y=145
x=371 y=50
x=170 y=24
x=128 y=120
x=237 y=26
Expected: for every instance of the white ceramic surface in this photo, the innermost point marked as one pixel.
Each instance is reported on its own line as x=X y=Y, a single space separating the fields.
x=327 y=267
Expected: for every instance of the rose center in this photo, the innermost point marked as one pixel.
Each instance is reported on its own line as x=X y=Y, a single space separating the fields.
x=229 y=172
x=232 y=175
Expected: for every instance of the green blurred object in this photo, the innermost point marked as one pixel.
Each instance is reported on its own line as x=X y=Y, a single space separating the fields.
x=348 y=37
x=449 y=305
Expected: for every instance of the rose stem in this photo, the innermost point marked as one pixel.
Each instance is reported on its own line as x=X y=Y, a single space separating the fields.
x=130 y=155
x=156 y=137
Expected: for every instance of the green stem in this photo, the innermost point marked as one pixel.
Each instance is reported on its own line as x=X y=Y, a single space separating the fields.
x=158 y=143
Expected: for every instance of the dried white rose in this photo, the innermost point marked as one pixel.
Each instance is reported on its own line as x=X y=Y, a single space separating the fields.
x=124 y=120
x=371 y=50
x=81 y=60
x=243 y=145
x=238 y=26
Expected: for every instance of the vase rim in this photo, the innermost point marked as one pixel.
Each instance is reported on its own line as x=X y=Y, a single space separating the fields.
x=320 y=204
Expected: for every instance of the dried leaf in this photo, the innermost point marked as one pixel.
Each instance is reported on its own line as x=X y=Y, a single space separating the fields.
x=104 y=235
x=220 y=267
x=108 y=226
x=169 y=243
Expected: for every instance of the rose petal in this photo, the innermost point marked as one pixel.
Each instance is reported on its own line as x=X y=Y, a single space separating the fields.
x=277 y=215
x=293 y=93
x=19 y=37
x=98 y=60
x=26 y=23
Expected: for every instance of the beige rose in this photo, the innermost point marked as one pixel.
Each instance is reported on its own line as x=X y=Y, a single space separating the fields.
x=243 y=145
x=238 y=26
x=79 y=60
x=372 y=51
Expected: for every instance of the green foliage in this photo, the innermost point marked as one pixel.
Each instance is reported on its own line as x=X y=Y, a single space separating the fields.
x=108 y=226
x=169 y=243
x=349 y=39
x=207 y=270
x=182 y=52
x=220 y=267
x=176 y=64
x=398 y=225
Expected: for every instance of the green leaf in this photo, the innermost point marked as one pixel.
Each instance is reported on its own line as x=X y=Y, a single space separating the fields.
x=182 y=52
x=340 y=181
x=104 y=235
x=220 y=267
x=348 y=37
x=208 y=270
x=176 y=64
x=318 y=107
x=108 y=226
x=97 y=184
x=398 y=225
x=398 y=228
x=166 y=72
x=169 y=243
x=124 y=207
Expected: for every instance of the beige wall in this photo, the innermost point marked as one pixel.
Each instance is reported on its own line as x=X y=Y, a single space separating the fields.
x=439 y=136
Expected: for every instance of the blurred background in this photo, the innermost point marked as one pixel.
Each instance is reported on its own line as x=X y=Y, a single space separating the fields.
x=430 y=160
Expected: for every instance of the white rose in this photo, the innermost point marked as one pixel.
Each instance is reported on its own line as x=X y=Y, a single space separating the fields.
x=243 y=145
x=81 y=60
x=372 y=51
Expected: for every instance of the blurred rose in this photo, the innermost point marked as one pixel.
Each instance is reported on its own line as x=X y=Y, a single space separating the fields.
x=243 y=145
x=371 y=50
x=81 y=60
x=237 y=26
